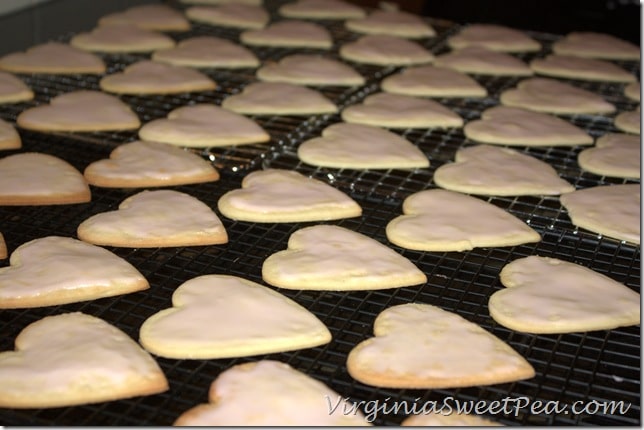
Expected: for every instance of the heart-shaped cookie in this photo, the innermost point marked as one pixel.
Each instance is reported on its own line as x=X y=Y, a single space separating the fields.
x=610 y=210
x=441 y=220
x=276 y=195
x=218 y=316
x=13 y=90
x=203 y=126
x=503 y=125
x=569 y=67
x=9 y=137
x=393 y=23
x=495 y=37
x=80 y=111
x=492 y=170
x=596 y=45
x=289 y=34
x=54 y=270
x=141 y=164
x=553 y=96
x=121 y=38
x=153 y=219
x=150 y=77
x=479 y=60
x=629 y=121
x=230 y=15
x=385 y=50
x=614 y=154
x=278 y=98
x=207 y=51
x=431 y=81
x=321 y=9
x=357 y=146
x=149 y=16
x=75 y=359
x=253 y=394
x=424 y=347
x=547 y=295
x=53 y=58
x=401 y=111
x=307 y=69
x=328 y=257
x=33 y=178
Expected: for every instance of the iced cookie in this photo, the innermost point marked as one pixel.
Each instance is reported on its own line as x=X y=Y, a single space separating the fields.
x=218 y=316
x=82 y=110
x=629 y=121
x=482 y=61
x=614 y=154
x=289 y=34
x=13 y=89
x=207 y=51
x=633 y=90
x=596 y=45
x=421 y=346
x=142 y=164
x=9 y=137
x=257 y=389
x=34 y=179
x=236 y=15
x=357 y=146
x=393 y=23
x=441 y=220
x=328 y=257
x=321 y=9
x=278 y=98
x=53 y=58
x=494 y=37
x=401 y=111
x=153 y=219
x=149 y=16
x=610 y=210
x=56 y=270
x=150 y=77
x=547 y=295
x=75 y=359
x=276 y=195
x=431 y=81
x=306 y=69
x=204 y=126
x=122 y=38
x=552 y=96
x=385 y=50
x=503 y=125
x=492 y=170
x=561 y=66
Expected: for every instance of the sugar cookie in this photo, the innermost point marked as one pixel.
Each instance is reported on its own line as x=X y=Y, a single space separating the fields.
x=207 y=51
x=307 y=69
x=393 y=23
x=289 y=34
x=495 y=37
x=596 y=45
x=236 y=15
x=121 y=38
x=570 y=67
x=53 y=58
x=431 y=81
x=13 y=89
x=385 y=50
x=149 y=16
x=9 y=137
x=482 y=61
x=629 y=121
x=614 y=154
x=321 y=9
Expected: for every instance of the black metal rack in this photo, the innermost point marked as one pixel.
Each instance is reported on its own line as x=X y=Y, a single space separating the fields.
x=600 y=366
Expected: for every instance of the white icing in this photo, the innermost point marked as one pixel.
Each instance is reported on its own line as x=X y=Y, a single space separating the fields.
x=289 y=33
x=360 y=146
x=263 y=393
x=546 y=295
x=310 y=70
x=393 y=23
x=385 y=50
x=217 y=316
x=431 y=81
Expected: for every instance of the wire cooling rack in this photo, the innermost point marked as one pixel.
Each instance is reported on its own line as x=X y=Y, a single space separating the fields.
x=586 y=370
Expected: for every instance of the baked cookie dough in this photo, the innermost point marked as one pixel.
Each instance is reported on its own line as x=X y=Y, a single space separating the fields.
x=482 y=61
x=289 y=34
x=615 y=154
x=150 y=77
x=431 y=81
x=235 y=15
x=75 y=359
x=207 y=51
x=596 y=45
x=276 y=195
x=385 y=50
x=552 y=96
x=357 y=146
x=9 y=137
x=13 y=89
x=321 y=9
x=570 y=67
x=53 y=58
x=441 y=220
x=308 y=69
x=122 y=38
x=393 y=23
x=495 y=37
x=503 y=125
x=149 y=16
x=220 y=316
x=421 y=346
x=547 y=295
x=401 y=111
x=610 y=210
x=492 y=170
x=629 y=121
x=633 y=91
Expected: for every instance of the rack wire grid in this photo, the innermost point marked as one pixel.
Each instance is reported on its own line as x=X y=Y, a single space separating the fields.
x=593 y=368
